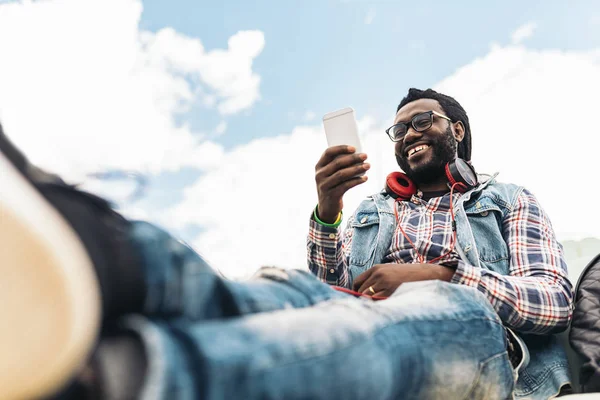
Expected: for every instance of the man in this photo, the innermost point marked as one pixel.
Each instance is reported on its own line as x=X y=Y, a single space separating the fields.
x=493 y=237
x=97 y=305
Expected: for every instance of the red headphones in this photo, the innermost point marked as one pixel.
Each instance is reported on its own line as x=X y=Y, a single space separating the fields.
x=460 y=174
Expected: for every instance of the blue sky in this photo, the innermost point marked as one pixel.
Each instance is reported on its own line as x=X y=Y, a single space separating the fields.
x=323 y=55
x=144 y=85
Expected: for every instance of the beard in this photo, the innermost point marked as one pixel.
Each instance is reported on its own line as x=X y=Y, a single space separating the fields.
x=443 y=151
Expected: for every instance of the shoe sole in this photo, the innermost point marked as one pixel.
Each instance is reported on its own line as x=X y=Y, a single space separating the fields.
x=49 y=299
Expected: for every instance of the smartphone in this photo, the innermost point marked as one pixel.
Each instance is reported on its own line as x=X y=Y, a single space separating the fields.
x=341 y=128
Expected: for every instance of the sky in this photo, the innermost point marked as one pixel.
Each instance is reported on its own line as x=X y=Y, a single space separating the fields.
x=206 y=118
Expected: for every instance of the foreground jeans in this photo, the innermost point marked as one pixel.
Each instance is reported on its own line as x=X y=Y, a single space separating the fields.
x=285 y=335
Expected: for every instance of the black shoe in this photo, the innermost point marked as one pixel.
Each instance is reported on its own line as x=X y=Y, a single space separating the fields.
x=66 y=265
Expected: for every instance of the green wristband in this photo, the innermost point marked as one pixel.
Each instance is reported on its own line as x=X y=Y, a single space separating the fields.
x=337 y=222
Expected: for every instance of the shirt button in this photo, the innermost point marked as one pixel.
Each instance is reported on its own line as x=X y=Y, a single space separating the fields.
x=332 y=271
x=332 y=236
x=363 y=220
x=484 y=214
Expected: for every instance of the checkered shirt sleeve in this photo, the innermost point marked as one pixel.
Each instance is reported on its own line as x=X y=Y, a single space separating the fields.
x=328 y=249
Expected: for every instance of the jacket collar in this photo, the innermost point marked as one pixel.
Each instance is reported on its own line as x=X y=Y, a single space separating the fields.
x=476 y=190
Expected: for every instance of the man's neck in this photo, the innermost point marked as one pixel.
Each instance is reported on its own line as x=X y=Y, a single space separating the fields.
x=436 y=186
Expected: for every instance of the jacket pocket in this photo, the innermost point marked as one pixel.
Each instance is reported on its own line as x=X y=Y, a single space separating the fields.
x=364 y=238
x=485 y=219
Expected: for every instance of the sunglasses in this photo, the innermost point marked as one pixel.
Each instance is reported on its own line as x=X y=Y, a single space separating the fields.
x=420 y=123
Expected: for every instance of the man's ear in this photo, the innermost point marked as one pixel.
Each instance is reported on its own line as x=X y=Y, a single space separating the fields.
x=458 y=131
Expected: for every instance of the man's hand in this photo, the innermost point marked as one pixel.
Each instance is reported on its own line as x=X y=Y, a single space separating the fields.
x=384 y=279
x=336 y=172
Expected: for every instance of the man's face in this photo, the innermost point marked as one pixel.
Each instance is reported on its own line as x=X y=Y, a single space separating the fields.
x=439 y=141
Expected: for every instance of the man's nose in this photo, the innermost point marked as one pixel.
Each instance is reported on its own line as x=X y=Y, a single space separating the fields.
x=412 y=135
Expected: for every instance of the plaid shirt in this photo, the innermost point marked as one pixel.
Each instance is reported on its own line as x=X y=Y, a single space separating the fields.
x=536 y=296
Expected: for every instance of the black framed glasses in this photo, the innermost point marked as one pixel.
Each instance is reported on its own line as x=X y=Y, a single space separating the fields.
x=420 y=123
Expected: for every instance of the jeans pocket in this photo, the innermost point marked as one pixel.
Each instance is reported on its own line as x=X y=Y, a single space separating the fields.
x=495 y=380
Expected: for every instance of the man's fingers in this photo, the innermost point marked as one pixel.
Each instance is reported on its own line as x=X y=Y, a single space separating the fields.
x=361 y=279
x=349 y=184
x=381 y=293
x=332 y=152
x=338 y=170
x=342 y=162
x=328 y=166
x=342 y=177
x=367 y=290
x=362 y=286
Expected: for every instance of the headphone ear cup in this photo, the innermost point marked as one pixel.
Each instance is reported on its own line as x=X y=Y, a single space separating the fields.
x=399 y=186
x=461 y=174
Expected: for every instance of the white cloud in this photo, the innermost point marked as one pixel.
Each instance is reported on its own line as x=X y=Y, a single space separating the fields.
x=261 y=196
x=523 y=32
x=532 y=120
x=370 y=16
x=84 y=82
x=227 y=72
x=524 y=107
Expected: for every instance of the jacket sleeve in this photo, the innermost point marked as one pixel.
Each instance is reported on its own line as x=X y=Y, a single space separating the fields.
x=536 y=297
x=585 y=327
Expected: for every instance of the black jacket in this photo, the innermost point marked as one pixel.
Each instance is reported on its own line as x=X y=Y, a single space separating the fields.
x=585 y=327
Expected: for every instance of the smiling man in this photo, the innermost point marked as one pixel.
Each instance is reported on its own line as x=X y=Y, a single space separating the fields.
x=438 y=222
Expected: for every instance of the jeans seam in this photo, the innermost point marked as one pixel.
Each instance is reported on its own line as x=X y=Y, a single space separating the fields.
x=482 y=365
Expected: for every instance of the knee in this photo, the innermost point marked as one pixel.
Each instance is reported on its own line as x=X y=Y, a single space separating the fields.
x=272 y=273
x=456 y=291
x=436 y=292
x=433 y=288
x=282 y=274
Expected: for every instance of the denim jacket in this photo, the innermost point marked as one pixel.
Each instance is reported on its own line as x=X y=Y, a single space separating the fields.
x=478 y=213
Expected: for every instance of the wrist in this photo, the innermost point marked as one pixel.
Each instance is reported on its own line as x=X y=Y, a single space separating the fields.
x=446 y=273
x=327 y=218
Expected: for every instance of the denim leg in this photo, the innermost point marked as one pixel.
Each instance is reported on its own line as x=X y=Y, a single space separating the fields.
x=431 y=340
x=179 y=283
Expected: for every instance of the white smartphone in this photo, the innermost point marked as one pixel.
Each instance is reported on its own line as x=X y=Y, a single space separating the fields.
x=341 y=128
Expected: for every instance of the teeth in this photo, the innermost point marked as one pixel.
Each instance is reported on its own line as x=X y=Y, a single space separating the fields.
x=417 y=149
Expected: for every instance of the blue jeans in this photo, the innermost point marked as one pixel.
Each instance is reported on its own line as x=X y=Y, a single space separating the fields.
x=286 y=335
